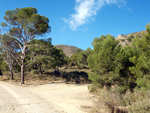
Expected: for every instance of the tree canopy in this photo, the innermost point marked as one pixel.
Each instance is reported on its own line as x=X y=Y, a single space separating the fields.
x=43 y=55
x=24 y=24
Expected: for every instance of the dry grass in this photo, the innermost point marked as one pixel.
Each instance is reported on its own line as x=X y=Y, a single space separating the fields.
x=138 y=102
x=31 y=78
x=114 y=102
x=67 y=76
x=108 y=102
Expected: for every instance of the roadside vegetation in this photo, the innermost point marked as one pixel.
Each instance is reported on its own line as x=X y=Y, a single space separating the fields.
x=119 y=75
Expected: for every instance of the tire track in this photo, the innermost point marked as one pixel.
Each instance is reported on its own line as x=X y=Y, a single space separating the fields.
x=17 y=99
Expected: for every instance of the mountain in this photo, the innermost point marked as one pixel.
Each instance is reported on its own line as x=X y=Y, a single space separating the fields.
x=123 y=39
x=126 y=39
x=68 y=50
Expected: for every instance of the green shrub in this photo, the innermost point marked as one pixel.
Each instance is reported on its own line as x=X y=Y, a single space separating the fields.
x=75 y=76
x=122 y=40
x=4 y=67
x=129 y=39
x=95 y=82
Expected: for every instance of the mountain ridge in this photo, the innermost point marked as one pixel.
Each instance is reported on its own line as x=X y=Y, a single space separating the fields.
x=126 y=39
x=68 y=50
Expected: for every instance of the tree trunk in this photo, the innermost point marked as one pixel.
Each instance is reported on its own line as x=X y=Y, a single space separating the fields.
x=22 y=70
x=41 y=71
x=12 y=74
x=22 y=64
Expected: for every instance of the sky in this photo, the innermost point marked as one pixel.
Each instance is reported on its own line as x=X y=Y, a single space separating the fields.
x=78 y=22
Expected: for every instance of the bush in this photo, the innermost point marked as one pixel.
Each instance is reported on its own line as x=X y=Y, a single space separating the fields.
x=102 y=60
x=111 y=101
x=122 y=40
x=108 y=101
x=138 y=102
x=4 y=67
x=95 y=82
x=129 y=39
x=75 y=76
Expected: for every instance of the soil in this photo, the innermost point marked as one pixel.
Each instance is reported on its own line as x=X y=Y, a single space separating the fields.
x=48 y=98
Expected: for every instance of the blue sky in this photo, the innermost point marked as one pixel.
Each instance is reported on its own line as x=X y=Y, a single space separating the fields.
x=78 y=22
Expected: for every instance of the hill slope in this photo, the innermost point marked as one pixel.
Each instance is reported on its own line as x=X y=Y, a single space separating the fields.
x=68 y=50
x=126 y=39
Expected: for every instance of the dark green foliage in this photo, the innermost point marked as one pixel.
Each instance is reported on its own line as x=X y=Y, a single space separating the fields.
x=125 y=67
x=82 y=58
x=58 y=58
x=122 y=40
x=1 y=61
x=76 y=76
x=28 y=19
x=126 y=78
x=79 y=58
x=130 y=38
x=9 y=48
x=101 y=61
x=141 y=68
x=105 y=49
x=39 y=53
x=110 y=64
x=24 y=24
x=43 y=55
x=73 y=60
x=4 y=67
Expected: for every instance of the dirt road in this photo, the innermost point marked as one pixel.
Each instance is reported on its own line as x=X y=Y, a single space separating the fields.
x=49 y=98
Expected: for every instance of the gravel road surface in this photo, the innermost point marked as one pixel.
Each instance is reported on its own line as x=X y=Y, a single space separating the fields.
x=18 y=99
x=49 y=98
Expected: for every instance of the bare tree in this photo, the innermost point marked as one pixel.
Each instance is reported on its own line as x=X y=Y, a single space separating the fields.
x=9 y=48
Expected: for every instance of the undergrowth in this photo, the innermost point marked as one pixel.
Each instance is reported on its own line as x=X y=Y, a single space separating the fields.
x=112 y=101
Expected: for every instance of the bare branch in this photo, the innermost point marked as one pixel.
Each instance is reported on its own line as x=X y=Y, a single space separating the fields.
x=20 y=32
x=12 y=54
x=19 y=45
x=29 y=64
x=32 y=60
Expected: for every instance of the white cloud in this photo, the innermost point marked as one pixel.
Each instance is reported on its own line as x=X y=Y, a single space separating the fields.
x=86 y=9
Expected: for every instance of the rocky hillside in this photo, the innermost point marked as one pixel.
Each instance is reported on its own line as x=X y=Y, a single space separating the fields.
x=68 y=50
x=126 y=39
